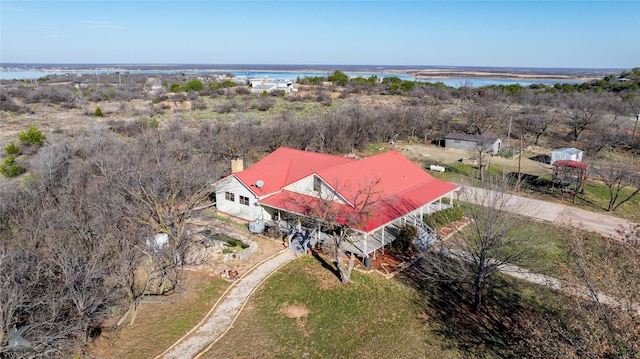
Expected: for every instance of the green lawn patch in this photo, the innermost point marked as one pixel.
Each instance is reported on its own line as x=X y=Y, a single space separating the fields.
x=548 y=250
x=304 y=311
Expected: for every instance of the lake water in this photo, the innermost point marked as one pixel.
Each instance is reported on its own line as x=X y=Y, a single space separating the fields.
x=30 y=74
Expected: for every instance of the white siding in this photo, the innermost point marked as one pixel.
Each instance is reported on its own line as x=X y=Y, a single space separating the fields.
x=571 y=153
x=235 y=208
x=305 y=186
x=494 y=148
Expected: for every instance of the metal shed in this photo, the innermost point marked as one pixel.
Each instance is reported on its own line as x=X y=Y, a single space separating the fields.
x=568 y=154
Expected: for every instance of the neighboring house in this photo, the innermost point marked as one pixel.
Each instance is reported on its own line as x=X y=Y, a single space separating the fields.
x=569 y=154
x=488 y=143
x=153 y=84
x=268 y=85
x=79 y=84
x=290 y=181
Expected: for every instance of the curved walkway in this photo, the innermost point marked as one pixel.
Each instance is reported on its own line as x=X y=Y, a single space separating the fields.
x=220 y=318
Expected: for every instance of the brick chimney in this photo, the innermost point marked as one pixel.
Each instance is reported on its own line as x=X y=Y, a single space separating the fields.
x=237 y=165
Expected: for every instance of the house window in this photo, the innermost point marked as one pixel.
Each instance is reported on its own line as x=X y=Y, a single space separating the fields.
x=229 y=196
x=316 y=184
x=244 y=200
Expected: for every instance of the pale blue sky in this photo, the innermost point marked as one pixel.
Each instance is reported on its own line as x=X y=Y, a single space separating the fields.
x=575 y=34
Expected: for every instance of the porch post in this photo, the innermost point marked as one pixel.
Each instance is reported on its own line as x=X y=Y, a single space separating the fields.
x=383 y=230
x=451 y=198
x=365 y=245
x=440 y=204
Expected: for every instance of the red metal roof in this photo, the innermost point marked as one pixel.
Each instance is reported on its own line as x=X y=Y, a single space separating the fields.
x=285 y=166
x=571 y=163
x=398 y=185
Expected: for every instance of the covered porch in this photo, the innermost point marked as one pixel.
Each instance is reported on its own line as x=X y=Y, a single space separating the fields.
x=368 y=244
x=303 y=234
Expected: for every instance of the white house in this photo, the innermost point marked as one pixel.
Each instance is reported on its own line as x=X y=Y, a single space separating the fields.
x=268 y=85
x=294 y=182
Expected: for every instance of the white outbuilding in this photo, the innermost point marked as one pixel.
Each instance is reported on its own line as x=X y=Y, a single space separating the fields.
x=569 y=153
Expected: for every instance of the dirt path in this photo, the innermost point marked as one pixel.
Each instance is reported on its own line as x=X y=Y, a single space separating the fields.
x=224 y=312
x=573 y=290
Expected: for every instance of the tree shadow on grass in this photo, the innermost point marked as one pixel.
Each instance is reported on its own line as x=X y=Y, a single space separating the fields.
x=541 y=158
x=486 y=333
x=331 y=268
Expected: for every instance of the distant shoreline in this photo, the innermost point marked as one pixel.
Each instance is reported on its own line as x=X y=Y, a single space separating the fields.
x=500 y=75
x=419 y=73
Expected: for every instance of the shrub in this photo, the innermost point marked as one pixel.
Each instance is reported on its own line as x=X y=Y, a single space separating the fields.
x=404 y=242
x=98 y=112
x=150 y=123
x=32 y=136
x=243 y=90
x=12 y=149
x=339 y=78
x=441 y=218
x=9 y=169
x=265 y=103
x=193 y=85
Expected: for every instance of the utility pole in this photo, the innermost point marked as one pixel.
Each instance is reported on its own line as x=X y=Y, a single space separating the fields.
x=633 y=136
x=509 y=133
x=519 y=166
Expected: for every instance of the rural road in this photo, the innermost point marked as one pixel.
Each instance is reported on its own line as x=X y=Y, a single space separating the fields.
x=556 y=213
x=224 y=312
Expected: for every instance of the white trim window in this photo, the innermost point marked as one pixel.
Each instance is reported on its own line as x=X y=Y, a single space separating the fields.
x=230 y=196
x=244 y=200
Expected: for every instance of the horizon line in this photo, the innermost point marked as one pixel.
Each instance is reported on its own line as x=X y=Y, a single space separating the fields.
x=337 y=66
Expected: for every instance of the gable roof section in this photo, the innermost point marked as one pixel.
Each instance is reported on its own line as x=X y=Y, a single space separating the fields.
x=570 y=163
x=285 y=166
x=568 y=150
x=471 y=138
x=393 y=171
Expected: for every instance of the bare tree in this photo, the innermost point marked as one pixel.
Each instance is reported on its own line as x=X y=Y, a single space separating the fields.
x=482 y=114
x=78 y=236
x=583 y=111
x=622 y=178
x=482 y=152
x=157 y=184
x=534 y=119
x=496 y=236
x=339 y=209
